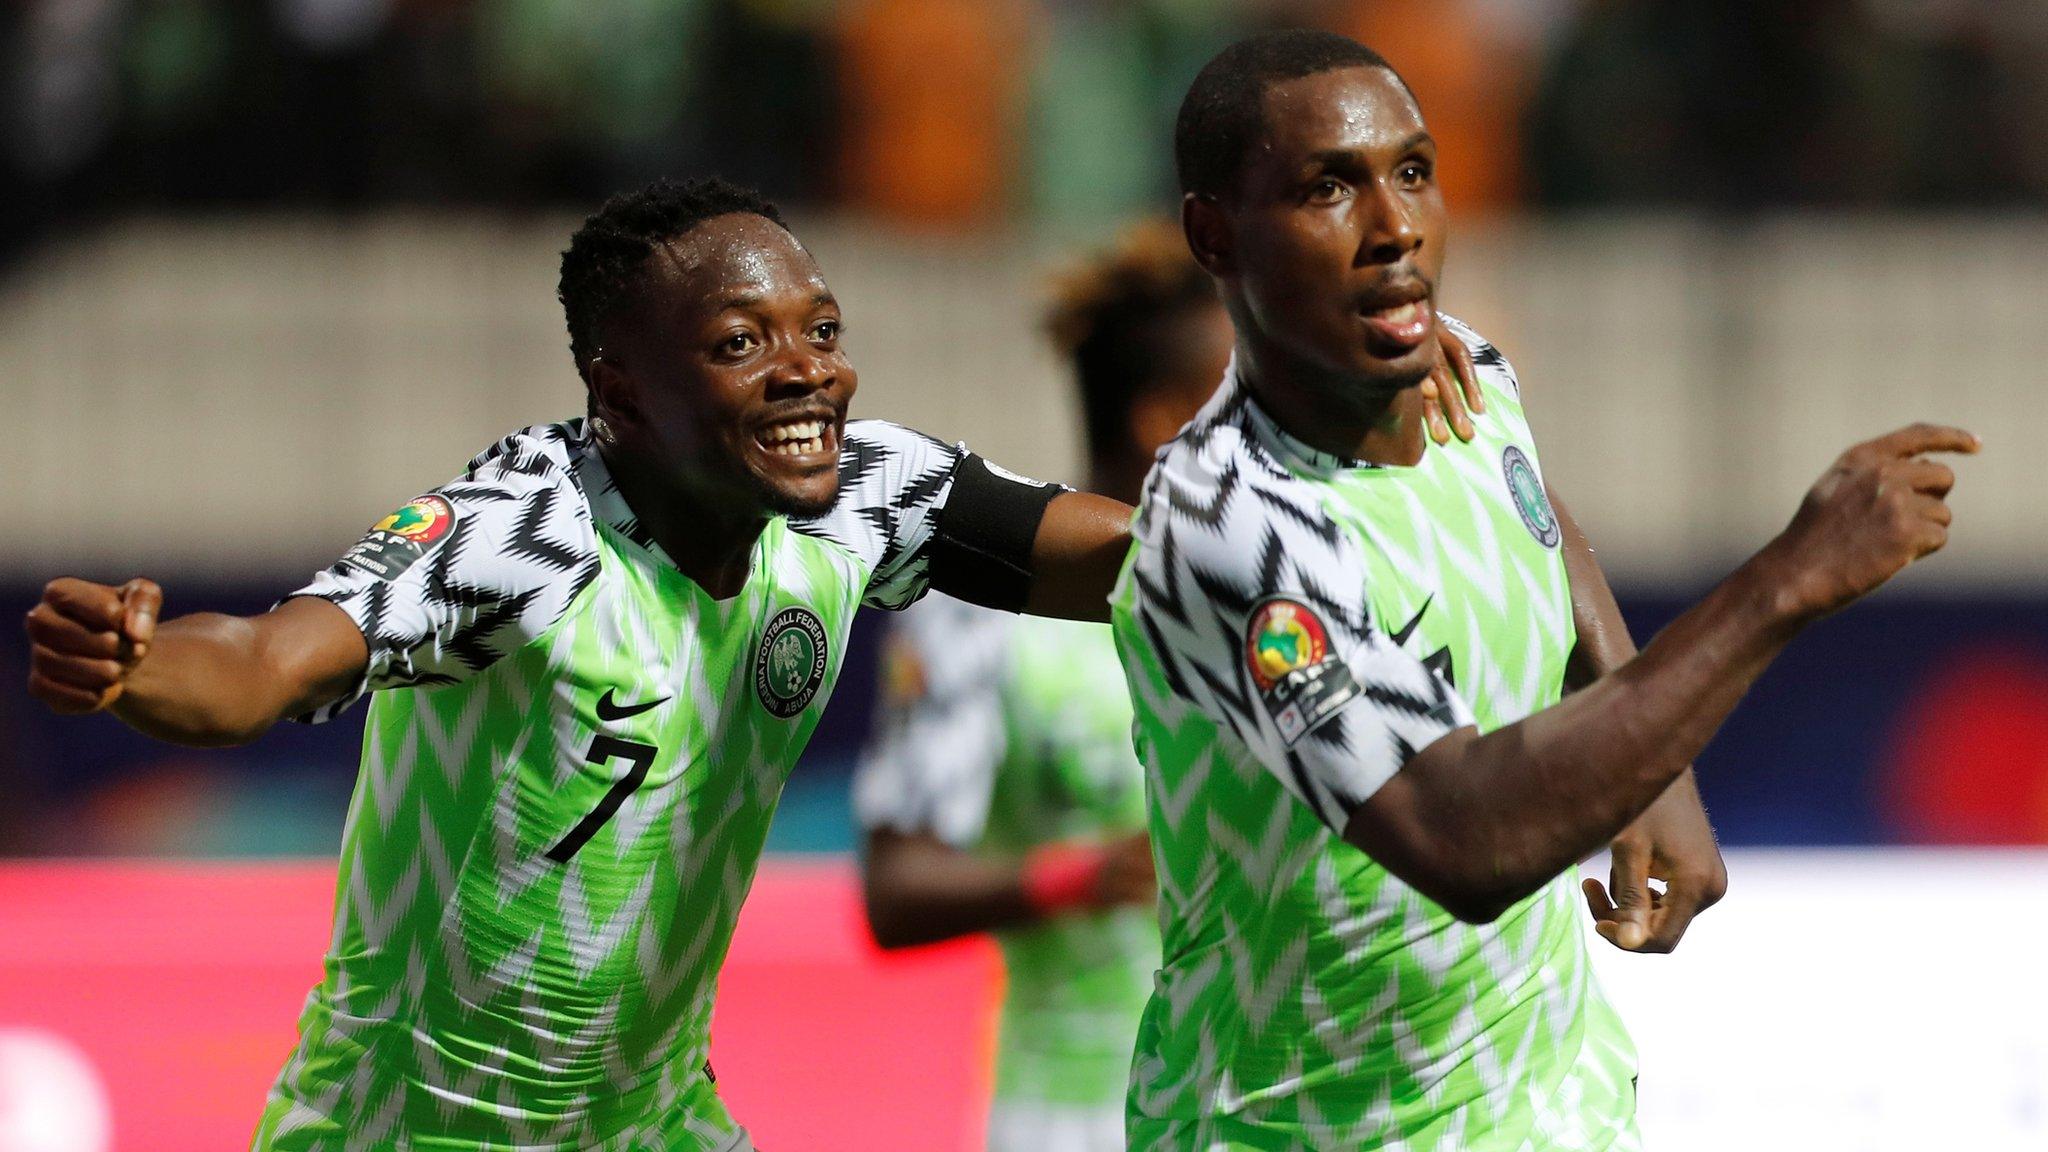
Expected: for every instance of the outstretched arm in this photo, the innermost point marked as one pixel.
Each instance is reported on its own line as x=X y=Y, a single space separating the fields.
x=1480 y=822
x=204 y=680
x=921 y=890
x=1672 y=841
x=1076 y=555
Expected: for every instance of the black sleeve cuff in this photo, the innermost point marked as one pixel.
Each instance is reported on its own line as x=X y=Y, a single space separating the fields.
x=981 y=543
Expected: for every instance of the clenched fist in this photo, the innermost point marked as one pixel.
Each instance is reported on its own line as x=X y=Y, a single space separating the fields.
x=85 y=639
x=1879 y=508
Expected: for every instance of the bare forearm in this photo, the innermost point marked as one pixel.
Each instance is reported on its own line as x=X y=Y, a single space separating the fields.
x=917 y=895
x=1489 y=819
x=201 y=685
x=1604 y=643
x=211 y=680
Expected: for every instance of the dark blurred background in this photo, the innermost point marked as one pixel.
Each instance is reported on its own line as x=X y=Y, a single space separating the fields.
x=268 y=269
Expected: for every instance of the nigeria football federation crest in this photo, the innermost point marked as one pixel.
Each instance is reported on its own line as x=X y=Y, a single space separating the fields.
x=791 y=663
x=1526 y=488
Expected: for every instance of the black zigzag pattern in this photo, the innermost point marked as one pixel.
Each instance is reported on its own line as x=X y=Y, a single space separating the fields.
x=1226 y=523
x=520 y=550
x=891 y=481
x=529 y=537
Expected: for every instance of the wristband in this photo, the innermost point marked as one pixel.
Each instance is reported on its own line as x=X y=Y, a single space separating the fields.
x=1063 y=877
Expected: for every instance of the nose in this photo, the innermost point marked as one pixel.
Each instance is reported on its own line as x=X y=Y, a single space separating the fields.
x=1388 y=233
x=801 y=370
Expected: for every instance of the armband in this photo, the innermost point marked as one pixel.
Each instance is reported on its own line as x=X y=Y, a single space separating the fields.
x=981 y=542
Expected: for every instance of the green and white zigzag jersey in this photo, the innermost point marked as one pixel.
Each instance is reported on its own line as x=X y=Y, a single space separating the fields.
x=999 y=735
x=1296 y=627
x=567 y=778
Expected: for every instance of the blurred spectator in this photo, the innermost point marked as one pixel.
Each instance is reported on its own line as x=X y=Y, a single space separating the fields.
x=1107 y=78
x=930 y=93
x=1760 y=103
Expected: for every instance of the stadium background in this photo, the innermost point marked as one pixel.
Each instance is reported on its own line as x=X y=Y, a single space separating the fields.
x=267 y=269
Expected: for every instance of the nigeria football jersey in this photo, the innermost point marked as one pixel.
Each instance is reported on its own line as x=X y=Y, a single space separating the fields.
x=569 y=766
x=999 y=735
x=1296 y=627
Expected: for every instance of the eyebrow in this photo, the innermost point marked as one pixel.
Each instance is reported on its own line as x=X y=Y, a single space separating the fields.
x=751 y=300
x=1332 y=157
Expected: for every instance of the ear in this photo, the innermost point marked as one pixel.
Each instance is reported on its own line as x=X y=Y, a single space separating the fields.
x=613 y=394
x=1207 y=228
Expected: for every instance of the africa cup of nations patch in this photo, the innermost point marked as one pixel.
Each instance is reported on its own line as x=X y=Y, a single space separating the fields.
x=397 y=542
x=1300 y=677
x=791 y=663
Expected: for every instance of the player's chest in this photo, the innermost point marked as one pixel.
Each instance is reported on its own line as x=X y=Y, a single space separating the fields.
x=1464 y=569
x=650 y=658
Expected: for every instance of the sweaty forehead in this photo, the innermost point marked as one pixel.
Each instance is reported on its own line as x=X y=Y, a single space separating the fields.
x=1363 y=109
x=737 y=255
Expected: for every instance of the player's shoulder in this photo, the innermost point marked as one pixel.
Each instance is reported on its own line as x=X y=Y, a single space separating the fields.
x=1492 y=363
x=520 y=507
x=1222 y=502
x=890 y=477
x=543 y=456
x=880 y=459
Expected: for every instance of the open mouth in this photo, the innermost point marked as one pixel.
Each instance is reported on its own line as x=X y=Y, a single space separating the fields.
x=1404 y=325
x=795 y=439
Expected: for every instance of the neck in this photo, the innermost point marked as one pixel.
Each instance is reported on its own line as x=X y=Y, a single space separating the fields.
x=1342 y=418
x=711 y=541
x=1119 y=477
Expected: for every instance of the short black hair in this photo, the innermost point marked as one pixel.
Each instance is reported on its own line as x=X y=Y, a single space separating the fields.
x=1220 y=117
x=1108 y=315
x=602 y=267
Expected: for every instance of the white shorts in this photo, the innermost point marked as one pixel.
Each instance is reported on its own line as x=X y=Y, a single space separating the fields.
x=1026 y=1127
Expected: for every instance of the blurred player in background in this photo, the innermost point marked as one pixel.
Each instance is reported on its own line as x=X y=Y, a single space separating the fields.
x=1000 y=792
x=1347 y=649
x=593 y=658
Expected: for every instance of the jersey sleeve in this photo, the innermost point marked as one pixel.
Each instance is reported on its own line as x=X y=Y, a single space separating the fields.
x=1250 y=599
x=465 y=574
x=939 y=737
x=922 y=513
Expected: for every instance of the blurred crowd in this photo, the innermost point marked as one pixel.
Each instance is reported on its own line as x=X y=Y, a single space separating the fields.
x=956 y=112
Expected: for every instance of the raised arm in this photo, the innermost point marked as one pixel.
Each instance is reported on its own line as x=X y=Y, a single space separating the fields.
x=204 y=680
x=1672 y=841
x=1480 y=822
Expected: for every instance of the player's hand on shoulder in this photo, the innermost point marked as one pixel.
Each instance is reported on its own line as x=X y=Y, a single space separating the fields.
x=85 y=639
x=1452 y=392
x=1881 y=506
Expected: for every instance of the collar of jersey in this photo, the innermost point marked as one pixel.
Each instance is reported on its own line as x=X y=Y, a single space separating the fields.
x=1291 y=450
x=607 y=504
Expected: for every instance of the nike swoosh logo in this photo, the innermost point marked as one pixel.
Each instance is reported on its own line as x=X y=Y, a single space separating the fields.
x=609 y=709
x=1408 y=629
